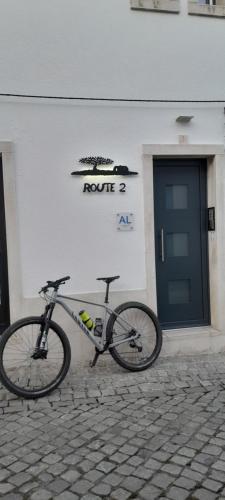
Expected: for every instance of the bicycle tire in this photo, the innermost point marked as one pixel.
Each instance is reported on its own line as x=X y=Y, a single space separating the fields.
x=16 y=330
x=117 y=351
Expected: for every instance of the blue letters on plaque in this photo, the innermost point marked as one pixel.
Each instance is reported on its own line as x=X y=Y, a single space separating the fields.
x=124 y=220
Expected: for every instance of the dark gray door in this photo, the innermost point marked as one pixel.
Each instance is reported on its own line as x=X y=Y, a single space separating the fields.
x=4 y=296
x=181 y=242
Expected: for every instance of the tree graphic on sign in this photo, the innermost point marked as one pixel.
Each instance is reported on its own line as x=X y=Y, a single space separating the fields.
x=97 y=161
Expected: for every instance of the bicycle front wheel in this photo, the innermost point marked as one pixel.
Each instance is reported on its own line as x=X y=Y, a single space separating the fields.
x=129 y=319
x=22 y=374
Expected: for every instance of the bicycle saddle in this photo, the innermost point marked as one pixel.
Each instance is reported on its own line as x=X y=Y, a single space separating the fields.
x=109 y=279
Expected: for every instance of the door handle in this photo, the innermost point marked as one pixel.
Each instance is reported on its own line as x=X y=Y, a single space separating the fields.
x=162 y=246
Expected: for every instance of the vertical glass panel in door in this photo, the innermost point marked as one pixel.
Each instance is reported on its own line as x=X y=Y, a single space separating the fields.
x=177 y=197
x=177 y=245
x=179 y=291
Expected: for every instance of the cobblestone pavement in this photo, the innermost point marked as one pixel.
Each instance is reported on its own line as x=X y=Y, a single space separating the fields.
x=108 y=433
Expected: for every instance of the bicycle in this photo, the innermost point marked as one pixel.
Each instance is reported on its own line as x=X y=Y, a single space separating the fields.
x=35 y=352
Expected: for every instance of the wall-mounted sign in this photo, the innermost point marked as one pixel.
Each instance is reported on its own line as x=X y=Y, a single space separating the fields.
x=99 y=161
x=104 y=187
x=125 y=221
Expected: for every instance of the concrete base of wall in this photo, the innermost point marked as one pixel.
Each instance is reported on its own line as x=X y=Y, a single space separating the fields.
x=190 y=341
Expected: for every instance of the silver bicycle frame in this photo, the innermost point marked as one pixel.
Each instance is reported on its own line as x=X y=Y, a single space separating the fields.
x=99 y=342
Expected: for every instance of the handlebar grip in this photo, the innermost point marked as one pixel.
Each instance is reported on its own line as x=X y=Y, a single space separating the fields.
x=54 y=284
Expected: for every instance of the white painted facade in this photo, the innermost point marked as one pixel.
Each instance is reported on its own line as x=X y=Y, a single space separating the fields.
x=99 y=49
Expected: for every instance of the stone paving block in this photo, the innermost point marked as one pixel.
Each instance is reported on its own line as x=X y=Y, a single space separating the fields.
x=113 y=479
x=119 y=440
x=93 y=475
x=7 y=460
x=185 y=483
x=18 y=466
x=77 y=442
x=27 y=487
x=109 y=449
x=170 y=447
x=187 y=452
x=149 y=492
x=31 y=458
x=202 y=494
x=176 y=493
x=128 y=450
x=86 y=465
x=4 y=473
x=71 y=475
x=56 y=469
x=52 y=458
x=67 y=495
x=180 y=460
x=161 y=456
x=173 y=469
x=120 y=494
x=209 y=484
x=219 y=465
x=58 y=485
x=102 y=489
x=105 y=466
x=5 y=487
x=195 y=444
x=81 y=486
x=37 y=469
x=212 y=450
x=41 y=494
x=118 y=457
x=135 y=461
x=44 y=477
x=19 y=479
x=195 y=476
x=162 y=480
x=96 y=456
x=72 y=459
x=203 y=469
x=143 y=473
x=216 y=475
x=132 y=484
x=153 y=464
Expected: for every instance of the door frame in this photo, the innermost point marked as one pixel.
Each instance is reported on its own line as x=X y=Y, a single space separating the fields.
x=12 y=229
x=216 y=240
x=5 y=316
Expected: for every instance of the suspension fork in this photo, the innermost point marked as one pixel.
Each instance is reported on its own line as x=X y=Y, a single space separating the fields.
x=43 y=334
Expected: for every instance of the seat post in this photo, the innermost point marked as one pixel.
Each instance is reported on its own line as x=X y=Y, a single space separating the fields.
x=107 y=294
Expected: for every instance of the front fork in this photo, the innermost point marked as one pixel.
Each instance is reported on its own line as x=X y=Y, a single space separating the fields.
x=41 y=347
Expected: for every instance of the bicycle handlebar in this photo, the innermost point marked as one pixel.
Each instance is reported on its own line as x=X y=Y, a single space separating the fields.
x=54 y=284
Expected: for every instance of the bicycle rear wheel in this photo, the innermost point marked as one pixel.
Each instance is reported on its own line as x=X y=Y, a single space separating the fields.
x=19 y=372
x=127 y=319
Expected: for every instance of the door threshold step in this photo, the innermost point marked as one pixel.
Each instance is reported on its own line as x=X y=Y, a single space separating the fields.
x=195 y=330
x=193 y=341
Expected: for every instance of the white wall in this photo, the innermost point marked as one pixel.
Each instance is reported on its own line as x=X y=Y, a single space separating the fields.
x=65 y=231
x=96 y=48
x=102 y=48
